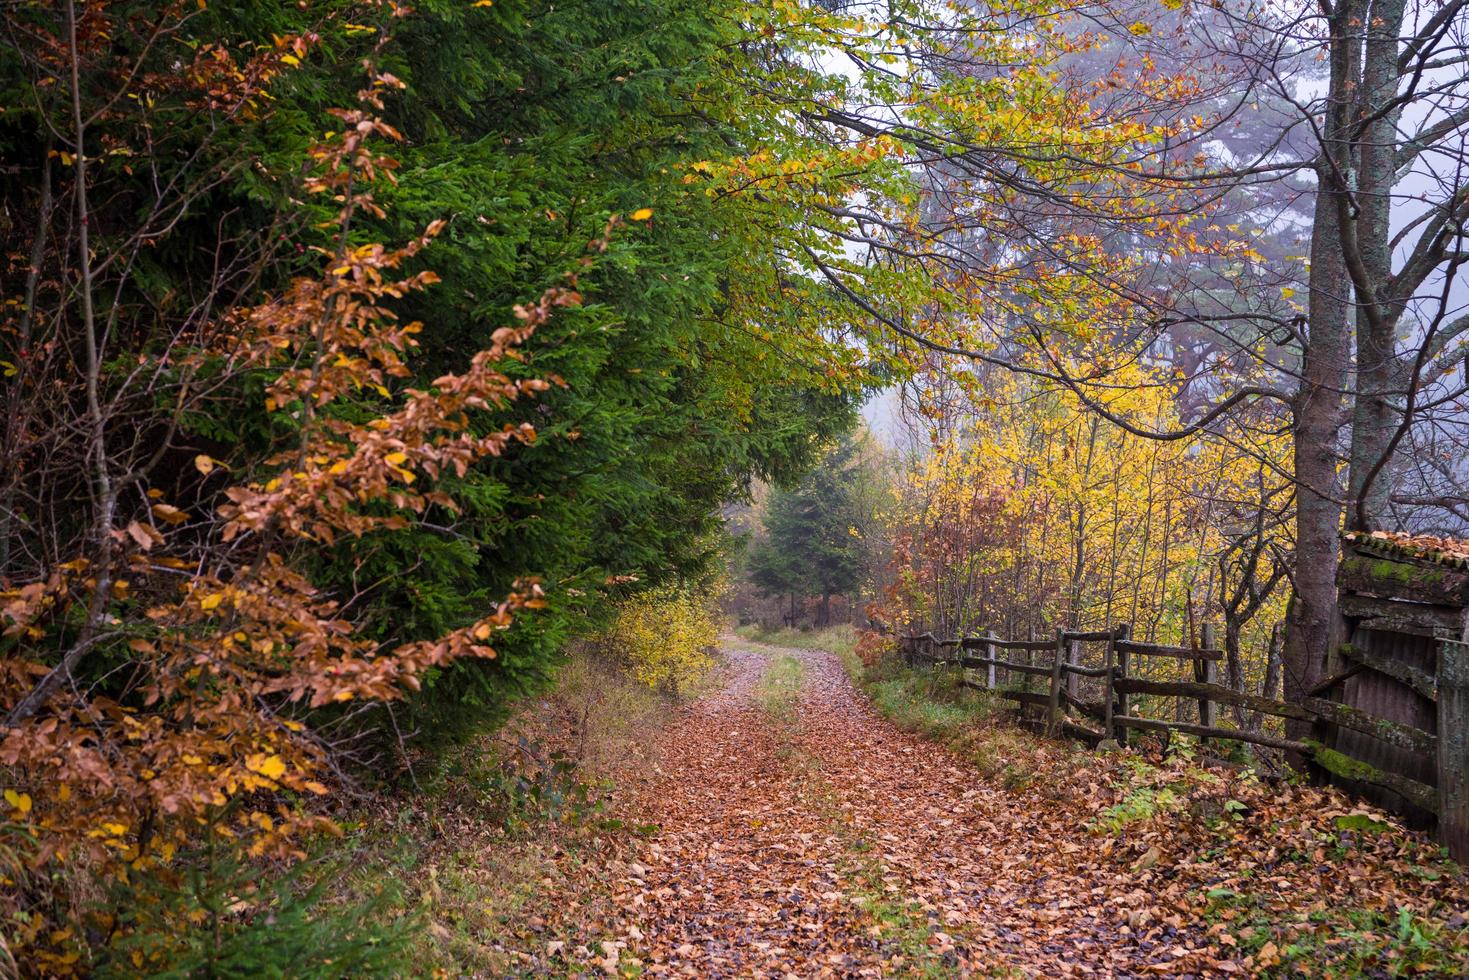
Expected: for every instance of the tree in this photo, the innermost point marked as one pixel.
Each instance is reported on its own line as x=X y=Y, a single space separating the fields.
x=1078 y=220
x=360 y=438
x=812 y=546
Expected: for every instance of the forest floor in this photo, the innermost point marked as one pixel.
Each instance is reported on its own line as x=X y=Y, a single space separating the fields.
x=787 y=823
x=803 y=833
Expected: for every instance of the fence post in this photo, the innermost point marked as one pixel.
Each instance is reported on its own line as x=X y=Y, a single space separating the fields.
x=1208 y=708
x=1109 y=658
x=989 y=653
x=1453 y=747
x=1124 y=633
x=1073 y=657
x=1029 y=660
x=1053 y=719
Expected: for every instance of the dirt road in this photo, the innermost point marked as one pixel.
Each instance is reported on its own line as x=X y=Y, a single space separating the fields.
x=801 y=834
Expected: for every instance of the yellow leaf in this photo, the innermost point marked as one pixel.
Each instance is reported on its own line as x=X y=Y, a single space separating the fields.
x=21 y=801
x=290 y=59
x=483 y=3
x=204 y=464
x=211 y=601
x=1287 y=292
x=271 y=767
x=395 y=459
x=642 y=214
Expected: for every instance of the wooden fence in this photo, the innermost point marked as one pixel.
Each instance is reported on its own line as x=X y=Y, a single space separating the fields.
x=1051 y=680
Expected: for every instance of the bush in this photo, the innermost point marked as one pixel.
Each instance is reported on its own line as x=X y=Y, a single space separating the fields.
x=665 y=638
x=227 y=918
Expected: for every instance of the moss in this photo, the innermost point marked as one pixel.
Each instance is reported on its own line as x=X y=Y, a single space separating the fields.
x=1344 y=765
x=1387 y=570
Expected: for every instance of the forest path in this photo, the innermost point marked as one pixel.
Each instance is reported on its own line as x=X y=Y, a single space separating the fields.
x=801 y=834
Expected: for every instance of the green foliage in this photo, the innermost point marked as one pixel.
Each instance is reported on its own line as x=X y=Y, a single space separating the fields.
x=240 y=922
x=530 y=124
x=811 y=545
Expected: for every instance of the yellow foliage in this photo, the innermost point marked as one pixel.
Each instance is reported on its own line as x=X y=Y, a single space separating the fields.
x=665 y=638
x=1034 y=512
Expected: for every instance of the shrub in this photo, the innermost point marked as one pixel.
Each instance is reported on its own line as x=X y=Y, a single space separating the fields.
x=665 y=638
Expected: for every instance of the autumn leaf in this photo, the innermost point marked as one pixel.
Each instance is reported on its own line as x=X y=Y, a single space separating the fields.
x=269 y=766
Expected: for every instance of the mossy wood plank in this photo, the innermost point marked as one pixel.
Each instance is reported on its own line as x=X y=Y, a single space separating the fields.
x=1417 y=679
x=1394 y=733
x=1344 y=766
x=1393 y=579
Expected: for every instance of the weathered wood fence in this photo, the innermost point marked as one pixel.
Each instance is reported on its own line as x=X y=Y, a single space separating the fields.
x=1407 y=750
x=1109 y=715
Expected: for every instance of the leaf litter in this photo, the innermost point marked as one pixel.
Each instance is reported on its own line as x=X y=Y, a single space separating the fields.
x=826 y=841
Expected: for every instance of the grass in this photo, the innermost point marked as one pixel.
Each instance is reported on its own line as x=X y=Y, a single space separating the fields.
x=1356 y=941
x=937 y=705
x=779 y=686
x=840 y=639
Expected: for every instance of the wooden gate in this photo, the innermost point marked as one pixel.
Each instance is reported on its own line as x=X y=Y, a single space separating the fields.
x=1400 y=668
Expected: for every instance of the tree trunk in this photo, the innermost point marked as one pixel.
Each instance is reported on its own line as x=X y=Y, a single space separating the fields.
x=1318 y=403
x=1366 y=237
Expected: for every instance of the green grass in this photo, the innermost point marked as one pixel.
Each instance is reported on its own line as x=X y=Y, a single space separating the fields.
x=936 y=704
x=840 y=639
x=780 y=685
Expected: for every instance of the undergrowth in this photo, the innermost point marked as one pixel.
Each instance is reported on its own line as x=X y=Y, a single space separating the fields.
x=482 y=853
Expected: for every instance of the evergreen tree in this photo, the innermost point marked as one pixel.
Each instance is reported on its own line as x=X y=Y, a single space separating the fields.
x=811 y=547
